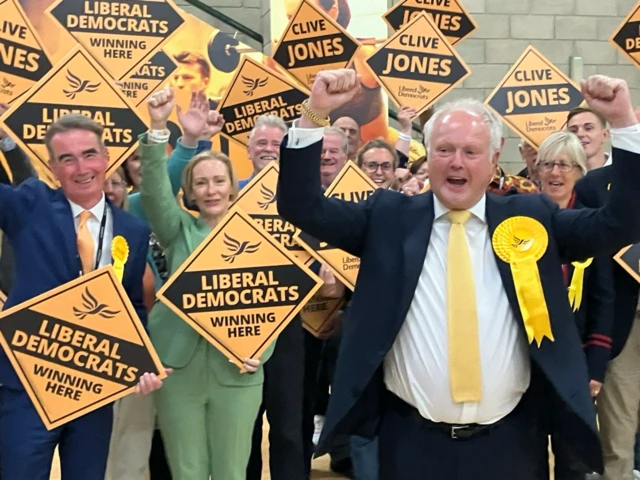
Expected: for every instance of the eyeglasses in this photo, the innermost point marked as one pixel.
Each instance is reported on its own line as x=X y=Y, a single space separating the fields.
x=563 y=166
x=373 y=166
x=115 y=184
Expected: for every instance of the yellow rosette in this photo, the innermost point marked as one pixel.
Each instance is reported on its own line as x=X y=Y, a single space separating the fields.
x=521 y=242
x=119 y=254
x=577 y=283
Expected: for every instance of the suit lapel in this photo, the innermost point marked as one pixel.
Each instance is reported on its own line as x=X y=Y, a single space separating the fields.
x=418 y=221
x=66 y=228
x=498 y=210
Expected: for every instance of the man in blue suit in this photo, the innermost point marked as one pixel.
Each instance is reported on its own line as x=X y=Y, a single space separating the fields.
x=460 y=331
x=43 y=226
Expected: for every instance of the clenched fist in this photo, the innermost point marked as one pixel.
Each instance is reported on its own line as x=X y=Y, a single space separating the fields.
x=610 y=98
x=332 y=89
x=160 y=106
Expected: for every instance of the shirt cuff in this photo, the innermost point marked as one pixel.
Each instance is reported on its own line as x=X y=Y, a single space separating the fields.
x=7 y=144
x=303 y=137
x=627 y=138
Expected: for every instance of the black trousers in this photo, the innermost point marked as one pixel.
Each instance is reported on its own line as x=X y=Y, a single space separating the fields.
x=313 y=359
x=283 y=403
x=515 y=448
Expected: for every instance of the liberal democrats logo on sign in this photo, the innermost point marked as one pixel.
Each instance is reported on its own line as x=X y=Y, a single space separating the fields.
x=79 y=86
x=252 y=84
x=93 y=307
x=238 y=248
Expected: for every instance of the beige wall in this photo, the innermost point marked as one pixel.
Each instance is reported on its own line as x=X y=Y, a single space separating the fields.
x=558 y=28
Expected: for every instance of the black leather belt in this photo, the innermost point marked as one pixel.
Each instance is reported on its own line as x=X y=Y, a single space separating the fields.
x=454 y=431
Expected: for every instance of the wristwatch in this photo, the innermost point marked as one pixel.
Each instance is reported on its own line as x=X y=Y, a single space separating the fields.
x=313 y=116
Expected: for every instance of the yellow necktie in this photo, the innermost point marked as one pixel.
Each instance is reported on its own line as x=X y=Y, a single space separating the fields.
x=462 y=317
x=86 y=247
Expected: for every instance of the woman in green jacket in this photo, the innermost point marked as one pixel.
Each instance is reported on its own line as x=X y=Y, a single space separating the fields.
x=207 y=408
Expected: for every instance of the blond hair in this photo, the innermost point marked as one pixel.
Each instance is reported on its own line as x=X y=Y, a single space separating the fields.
x=120 y=171
x=561 y=142
x=187 y=174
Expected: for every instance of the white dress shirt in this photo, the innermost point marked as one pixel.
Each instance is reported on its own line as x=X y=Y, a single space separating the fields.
x=416 y=368
x=94 y=228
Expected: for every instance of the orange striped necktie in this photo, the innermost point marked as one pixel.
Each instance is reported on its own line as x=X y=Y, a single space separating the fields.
x=86 y=246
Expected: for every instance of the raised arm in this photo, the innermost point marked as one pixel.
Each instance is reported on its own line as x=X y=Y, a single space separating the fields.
x=17 y=160
x=158 y=201
x=301 y=200
x=587 y=233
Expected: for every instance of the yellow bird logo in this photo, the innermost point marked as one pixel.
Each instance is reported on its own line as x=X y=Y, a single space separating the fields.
x=78 y=86
x=237 y=248
x=268 y=197
x=252 y=84
x=93 y=307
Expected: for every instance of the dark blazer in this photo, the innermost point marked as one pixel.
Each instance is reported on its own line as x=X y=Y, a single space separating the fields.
x=595 y=318
x=390 y=233
x=21 y=169
x=593 y=191
x=38 y=222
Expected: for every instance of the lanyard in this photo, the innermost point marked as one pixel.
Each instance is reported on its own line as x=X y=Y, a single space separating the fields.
x=103 y=226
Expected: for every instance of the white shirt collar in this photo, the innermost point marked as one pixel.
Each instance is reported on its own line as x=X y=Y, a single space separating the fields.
x=609 y=159
x=479 y=210
x=97 y=211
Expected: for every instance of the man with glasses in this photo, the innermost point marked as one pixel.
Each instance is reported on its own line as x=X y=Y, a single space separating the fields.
x=379 y=161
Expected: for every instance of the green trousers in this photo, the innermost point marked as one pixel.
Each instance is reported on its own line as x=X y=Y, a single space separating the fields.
x=206 y=425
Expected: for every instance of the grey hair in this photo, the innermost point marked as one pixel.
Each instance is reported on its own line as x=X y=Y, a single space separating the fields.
x=340 y=133
x=560 y=142
x=270 y=121
x=472 y=106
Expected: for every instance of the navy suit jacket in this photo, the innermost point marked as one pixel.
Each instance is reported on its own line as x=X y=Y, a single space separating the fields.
x=593 y=191
x=38 y=222
x=390 y=233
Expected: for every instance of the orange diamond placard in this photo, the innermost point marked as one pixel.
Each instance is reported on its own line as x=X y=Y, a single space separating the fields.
x=22 y=59
x=627 y=37
x=256 y=90
x=534 y=97
x=140 y=83
x=77 y=84
x=351 y=185
x=313 y=42
x=258 y=200
x=450 y=16
x=240 y=288
x=119 y=34
x=3 y=298
x=78 y=347
x=629 y=259
x=417 y=65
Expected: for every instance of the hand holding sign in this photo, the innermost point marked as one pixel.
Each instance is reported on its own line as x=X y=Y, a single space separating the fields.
x=149 y=382
x=610 y=98
x=333 y=89
x=160 y=106
x=194 y=120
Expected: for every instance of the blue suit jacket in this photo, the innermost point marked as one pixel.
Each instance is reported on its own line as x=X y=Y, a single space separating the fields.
x=38 y=222
x=390 y=233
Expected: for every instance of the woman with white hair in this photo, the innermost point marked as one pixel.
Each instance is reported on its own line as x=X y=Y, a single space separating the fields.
x=560 y=163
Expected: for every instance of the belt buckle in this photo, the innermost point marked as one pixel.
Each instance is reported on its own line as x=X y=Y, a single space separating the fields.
x=455 y=428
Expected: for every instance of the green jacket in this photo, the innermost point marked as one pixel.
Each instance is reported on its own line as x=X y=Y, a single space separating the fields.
x=179 y=233
x=179 y=158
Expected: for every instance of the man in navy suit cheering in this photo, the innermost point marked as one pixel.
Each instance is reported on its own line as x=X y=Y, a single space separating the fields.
x=461 y=332
x=58 y=235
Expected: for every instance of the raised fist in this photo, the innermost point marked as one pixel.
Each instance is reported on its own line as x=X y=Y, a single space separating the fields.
x=215 y=122
x=405 y=116
x=160 y=106
x=332 y=89
x=610 y=98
